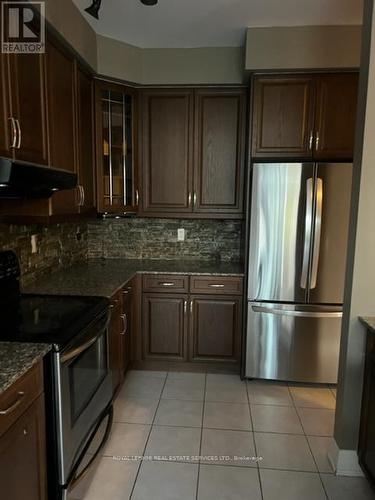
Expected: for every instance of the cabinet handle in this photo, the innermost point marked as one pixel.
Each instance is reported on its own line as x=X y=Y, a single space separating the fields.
x=12 y=407
x=317 y=140
x=311 y=140
x=166 y=284
x=83 y=195
x=189 y=200
x=185 y=306
x=14 y=132
x=81 y=198
x=216 y=285
x=137 y=197
x=19 y=134
x=195 y=199
x=191 y=307
x=125 y=323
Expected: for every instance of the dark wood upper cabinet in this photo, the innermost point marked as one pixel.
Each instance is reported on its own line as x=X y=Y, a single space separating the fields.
x=4 y=108
x=215 y=328
x=167 y=151
x=336 y=108
x=85 y=128
x=283 y=116
x=220 y=117
x=304 y=116
x=116 y=148
x=23 y=127
x=27 y=77
x=164 y=326
x=61 y=107
x=61 y=85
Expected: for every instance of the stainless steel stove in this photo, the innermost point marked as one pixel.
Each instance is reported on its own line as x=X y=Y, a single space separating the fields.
x=78 y=380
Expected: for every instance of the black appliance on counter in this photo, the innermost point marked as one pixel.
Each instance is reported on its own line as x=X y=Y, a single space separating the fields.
x=78 y=380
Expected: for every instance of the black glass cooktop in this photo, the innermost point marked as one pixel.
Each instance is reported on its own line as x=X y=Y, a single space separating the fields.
x=48 y=318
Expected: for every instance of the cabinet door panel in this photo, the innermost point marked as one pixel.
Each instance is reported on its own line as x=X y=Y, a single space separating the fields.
x=5 y=111
x=215 y=328
x=22 y=456
x=164 y=326
x=283 y=116
x=127 y=328
x=336 y=115
x=167 y=151
x=86 y=167
x=27 y=73
x=219 y=151
x=62 y=120
x=61 y=108
x=115 y=346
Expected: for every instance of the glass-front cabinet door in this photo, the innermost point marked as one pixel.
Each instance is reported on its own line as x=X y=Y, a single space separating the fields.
x=117 y=186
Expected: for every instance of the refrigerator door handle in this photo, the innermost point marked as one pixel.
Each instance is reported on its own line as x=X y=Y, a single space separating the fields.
x=308 y=232
x=317 y=232
x=300 y=314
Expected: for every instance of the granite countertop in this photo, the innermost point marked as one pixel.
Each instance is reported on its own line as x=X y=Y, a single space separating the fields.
x=16 y=359
x=103 y=278
x=369 y=322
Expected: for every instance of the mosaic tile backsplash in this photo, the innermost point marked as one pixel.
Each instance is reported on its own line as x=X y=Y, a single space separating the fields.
x=141 y=238
x=58 y=246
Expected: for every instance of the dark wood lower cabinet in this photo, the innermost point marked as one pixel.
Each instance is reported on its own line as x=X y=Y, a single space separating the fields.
x=164 y=326
x=215 y=328
x=127 y=319
x=367 y=435
x=22 y=456
x=115 y=341
x=195 y=327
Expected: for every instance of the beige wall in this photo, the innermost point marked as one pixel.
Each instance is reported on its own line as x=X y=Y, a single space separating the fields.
x=119 y=60
x=66 y=18
x=303 y=47
x=360 y=281
x=170 y=66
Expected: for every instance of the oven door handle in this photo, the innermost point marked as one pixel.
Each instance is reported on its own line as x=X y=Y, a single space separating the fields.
x=76 y=478
x=73 y=353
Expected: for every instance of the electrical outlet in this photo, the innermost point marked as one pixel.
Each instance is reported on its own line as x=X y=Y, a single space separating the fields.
x=181 y=234
x=34 y=243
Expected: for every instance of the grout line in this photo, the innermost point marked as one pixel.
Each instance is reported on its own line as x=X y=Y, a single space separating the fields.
x=255 y=444
x=308 y=444
x=147 y=440
x=200 y=442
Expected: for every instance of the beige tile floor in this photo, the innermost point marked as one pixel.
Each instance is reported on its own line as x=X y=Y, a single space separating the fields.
x=180 y=417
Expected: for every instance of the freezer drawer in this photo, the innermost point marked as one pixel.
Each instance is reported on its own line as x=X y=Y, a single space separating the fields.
x=293 y=343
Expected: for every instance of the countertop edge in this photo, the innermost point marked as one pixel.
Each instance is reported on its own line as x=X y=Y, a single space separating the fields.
x=11 y=376
x=368 y=322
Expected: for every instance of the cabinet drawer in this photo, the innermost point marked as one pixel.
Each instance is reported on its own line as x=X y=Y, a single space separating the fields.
x=15 y=400
x=165 y=283
x=216 y=285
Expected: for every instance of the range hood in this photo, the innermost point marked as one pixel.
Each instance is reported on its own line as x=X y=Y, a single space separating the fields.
x=28 y=180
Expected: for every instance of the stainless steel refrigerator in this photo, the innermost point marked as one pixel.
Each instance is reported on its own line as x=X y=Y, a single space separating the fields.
x=296 y=270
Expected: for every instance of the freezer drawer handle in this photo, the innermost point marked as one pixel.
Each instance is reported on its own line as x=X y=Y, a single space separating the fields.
x=299 y=314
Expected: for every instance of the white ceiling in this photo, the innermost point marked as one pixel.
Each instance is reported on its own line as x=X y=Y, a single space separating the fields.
x=211 y=23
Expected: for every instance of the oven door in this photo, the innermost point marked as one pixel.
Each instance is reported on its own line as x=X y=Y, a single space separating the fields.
x=84 y=390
